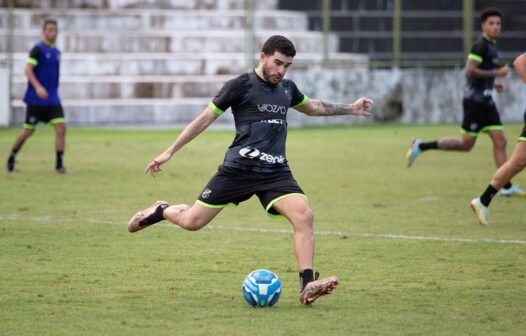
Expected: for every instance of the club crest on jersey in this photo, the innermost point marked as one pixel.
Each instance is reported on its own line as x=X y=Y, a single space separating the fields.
x=272 y=108
x=206 y=193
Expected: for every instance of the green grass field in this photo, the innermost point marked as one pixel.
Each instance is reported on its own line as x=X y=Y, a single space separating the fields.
x=410 y=255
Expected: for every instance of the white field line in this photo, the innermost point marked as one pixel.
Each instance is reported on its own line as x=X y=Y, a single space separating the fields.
x=342 y=234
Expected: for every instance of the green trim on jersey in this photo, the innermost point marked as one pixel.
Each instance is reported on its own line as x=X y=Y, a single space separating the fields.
x=521 y=139
x=473 y=134
x=475 y=57
x=492 y=128
x=56 y=121
x=215 y=109
x=274 y=216
x=483 y=130
x=33 y=61
x=301 y=103
x=29 y=126
x=212 y=206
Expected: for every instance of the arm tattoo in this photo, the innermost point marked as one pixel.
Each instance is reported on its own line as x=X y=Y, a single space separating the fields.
x=337 y=109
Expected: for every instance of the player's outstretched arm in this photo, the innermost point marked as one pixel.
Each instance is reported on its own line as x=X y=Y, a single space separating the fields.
x=520 y=66
x=193 y=129
x=361 y=107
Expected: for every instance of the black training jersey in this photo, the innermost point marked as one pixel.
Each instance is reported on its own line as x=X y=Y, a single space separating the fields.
x=260 y=115
x=483 y=51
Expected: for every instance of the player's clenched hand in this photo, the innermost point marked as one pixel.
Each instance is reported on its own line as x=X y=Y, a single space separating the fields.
x=155 y=166
x=499 y=87
x=503 y=70
x=362 y=107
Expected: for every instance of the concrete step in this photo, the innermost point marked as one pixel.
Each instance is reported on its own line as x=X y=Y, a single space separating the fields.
x=143 y=4
x=172 y=64
x=102 y=112
x=137 y=64
x=130 y=87
x=75 y=20
x=162 y=41
x=165 y=113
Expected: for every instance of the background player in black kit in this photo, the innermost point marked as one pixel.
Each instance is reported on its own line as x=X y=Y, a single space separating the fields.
x=515 y=164
x=480 y=112
x=255 y=163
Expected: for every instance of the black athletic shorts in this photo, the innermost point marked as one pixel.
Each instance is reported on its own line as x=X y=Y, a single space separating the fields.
x=231 y=186
x=480 y=117
x=47 y=114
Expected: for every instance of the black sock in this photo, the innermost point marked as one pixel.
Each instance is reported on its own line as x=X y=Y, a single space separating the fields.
x=306 y=276
x=488 y=195
x=507 y=185
x=12 y=155
x=428 y=145
x=155 y=217
x=60 y=155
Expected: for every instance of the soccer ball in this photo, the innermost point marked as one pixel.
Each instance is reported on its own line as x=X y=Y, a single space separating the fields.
x=261 y=288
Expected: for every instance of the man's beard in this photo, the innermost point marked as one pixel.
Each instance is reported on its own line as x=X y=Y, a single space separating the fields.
x=267 y=76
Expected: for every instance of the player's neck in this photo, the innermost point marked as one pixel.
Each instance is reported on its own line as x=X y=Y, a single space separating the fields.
x=489 y=38
x=259 y=72
x=48 y=43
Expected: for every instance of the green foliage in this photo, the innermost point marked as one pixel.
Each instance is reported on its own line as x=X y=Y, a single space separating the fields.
x=69 y=266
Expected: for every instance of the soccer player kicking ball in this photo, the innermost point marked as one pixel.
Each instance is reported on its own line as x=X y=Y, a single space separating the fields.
x=255 y=163
x=512 y=167
x=480 y=112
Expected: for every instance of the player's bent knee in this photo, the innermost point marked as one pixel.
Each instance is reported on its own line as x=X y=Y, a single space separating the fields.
x=60 y=129
x=304 y=219
x=467 y=146
x=27 y=133
x=501 y=143
x=192 y=223
x=521 y=163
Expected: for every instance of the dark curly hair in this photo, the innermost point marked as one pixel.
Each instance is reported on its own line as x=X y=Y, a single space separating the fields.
x=490 y=11
x=278 y=43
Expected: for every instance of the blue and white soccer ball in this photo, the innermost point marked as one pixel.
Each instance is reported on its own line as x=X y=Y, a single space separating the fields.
x=261 y=288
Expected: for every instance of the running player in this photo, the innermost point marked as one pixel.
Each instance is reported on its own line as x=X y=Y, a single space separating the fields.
x=41 y=97
x=255 y=163
x=480 y=112
x=512 y=167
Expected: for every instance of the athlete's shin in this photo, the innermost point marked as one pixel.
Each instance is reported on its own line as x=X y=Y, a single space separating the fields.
x=499 y=147
x=463 y=144
x=304 y=248
x=304 y=239
x=60 y=136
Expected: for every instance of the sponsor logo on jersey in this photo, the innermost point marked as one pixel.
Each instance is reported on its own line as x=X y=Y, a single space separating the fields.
x=272 y=108
x=254 y=153
x=274 y=121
